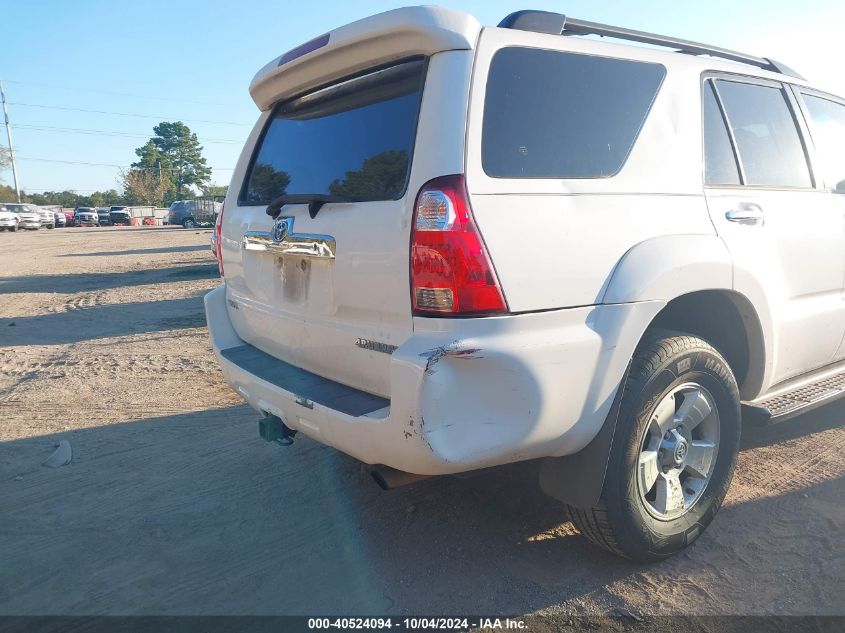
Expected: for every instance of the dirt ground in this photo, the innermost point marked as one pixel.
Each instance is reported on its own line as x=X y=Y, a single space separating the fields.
x=173 y=505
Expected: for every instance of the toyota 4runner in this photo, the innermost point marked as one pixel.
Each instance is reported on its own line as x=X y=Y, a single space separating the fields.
x=447 y=247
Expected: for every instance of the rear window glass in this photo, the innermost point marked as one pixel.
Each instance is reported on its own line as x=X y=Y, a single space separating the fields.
x=549 y=114
x=352 y=140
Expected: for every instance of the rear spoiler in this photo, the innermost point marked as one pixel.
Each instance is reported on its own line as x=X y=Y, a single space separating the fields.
x=364 y=44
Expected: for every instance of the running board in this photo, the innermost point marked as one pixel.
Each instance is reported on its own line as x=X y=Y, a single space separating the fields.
x=796 y=397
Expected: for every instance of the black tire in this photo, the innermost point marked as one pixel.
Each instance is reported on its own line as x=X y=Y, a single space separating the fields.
x=620 y=522
x=189 y=223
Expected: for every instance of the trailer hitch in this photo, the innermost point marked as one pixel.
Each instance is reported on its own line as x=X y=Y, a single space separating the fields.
x=272 y=429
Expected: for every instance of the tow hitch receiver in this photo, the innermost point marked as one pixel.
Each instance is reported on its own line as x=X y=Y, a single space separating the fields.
x=272 y=429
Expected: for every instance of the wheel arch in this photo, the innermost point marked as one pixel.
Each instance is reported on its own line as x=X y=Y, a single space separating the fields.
x=705 y=296
x=692 y=277
x=727 y=320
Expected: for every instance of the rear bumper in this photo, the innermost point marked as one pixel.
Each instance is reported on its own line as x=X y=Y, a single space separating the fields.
x=464 y=393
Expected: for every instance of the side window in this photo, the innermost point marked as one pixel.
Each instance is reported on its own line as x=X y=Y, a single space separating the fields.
x=551 y=114
x=767 y=139
x=719 y=161
x=827 y=122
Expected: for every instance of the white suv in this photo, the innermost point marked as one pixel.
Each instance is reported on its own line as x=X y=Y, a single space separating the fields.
x=448 y=247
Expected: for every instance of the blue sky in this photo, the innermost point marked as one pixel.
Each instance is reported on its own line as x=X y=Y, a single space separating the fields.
x=192 y=61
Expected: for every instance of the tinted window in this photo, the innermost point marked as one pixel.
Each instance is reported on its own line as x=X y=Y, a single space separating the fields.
x=766 y=137
x=828 y=125
x=353 y=140
x=719 y=161
x=549 y=114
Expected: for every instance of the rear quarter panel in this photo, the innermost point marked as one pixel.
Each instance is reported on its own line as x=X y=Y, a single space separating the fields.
x=556 y=242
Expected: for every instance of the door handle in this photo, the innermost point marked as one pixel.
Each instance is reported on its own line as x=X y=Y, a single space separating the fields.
x=746 y=214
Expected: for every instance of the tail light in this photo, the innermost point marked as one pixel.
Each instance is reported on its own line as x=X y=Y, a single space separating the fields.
x=218 y=234
x=451 y=272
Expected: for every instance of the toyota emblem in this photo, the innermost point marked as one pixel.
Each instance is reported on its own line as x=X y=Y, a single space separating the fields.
x=280 y=229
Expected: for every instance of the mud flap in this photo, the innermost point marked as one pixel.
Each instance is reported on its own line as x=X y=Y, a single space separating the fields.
x=578 y=479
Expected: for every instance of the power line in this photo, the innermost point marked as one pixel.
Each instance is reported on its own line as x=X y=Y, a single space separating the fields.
x=142 y=116
x=80 y=162
x=118 y=94
x=93 y=132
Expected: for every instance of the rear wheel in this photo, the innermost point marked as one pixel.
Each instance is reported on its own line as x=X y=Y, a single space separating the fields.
x=189 y=223
x=673 y=453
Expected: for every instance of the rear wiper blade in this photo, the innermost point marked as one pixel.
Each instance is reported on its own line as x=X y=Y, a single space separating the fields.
x=315 y=202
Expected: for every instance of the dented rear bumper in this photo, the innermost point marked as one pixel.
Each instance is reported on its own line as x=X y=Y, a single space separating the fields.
x=464 y=393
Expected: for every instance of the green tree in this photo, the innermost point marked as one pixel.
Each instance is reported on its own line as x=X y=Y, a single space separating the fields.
x=174 y=155
x=266 y=183
x=214 y=190
x=143 y=187
x=69 y=199
x=382 y=173
x=7 y=194
x=5 y=160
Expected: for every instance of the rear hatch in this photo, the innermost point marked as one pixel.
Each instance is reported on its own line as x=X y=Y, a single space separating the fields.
x=324 y=286
x=353 y=122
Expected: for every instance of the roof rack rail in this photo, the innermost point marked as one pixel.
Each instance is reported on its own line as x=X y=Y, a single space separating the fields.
x=560 y=24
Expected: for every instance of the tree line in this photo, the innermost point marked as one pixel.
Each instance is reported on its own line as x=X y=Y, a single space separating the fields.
x=170 y=167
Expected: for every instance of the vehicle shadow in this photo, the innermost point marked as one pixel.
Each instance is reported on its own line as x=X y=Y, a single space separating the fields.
x=93 y=281
x=73 y=323
x=142 y=251
x=193 y=514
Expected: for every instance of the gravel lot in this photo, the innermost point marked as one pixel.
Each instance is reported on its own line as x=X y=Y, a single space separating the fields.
x=173 y=505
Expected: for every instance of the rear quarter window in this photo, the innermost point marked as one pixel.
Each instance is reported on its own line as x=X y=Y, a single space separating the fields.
x=552 y=114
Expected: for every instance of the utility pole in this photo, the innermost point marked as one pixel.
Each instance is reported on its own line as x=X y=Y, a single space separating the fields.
x=9 y=135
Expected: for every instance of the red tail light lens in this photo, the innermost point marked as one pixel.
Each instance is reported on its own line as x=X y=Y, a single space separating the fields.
x=218 y=234
x=451 y=272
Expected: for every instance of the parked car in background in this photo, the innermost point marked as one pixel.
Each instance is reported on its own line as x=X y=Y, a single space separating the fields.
x=598 y=254
x=28 y=214
x=86 y=216
x=120 y=216
x=103 y=216
x=192 y=213
x=59 y=219
x=8 y=220
x=47 y=218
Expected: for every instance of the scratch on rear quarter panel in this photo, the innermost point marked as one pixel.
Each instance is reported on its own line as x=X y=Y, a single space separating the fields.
x=422 y=434
x=453 y=350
